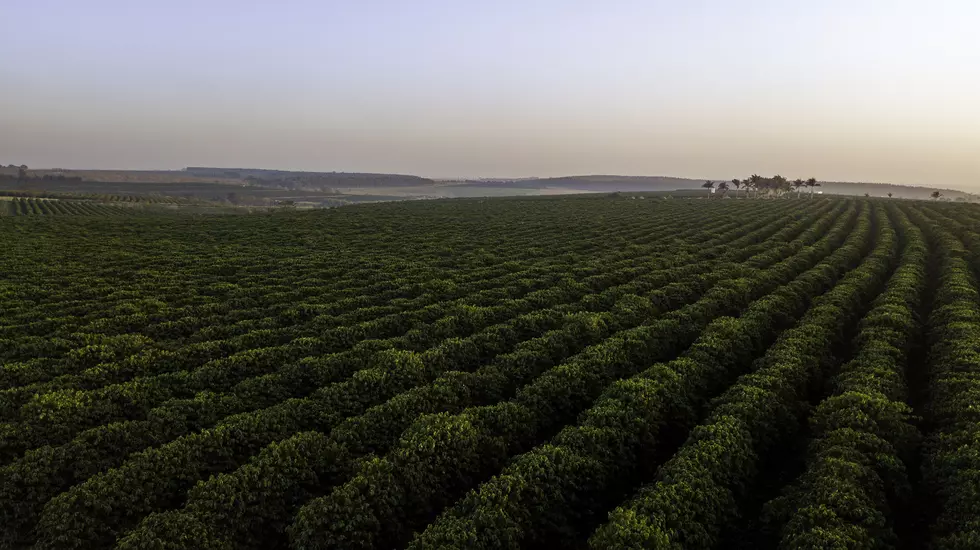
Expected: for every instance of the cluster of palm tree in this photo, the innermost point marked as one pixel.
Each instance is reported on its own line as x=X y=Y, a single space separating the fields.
x=765 y=187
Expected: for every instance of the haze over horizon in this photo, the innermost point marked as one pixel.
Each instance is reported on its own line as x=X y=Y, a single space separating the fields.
x=863 y=90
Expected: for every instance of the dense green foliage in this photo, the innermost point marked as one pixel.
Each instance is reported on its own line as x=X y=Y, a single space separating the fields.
x=505 y=373
x=29 y=206
x=149 y=198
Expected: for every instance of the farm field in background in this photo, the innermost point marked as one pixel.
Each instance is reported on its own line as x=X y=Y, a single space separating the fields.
x=547 y=372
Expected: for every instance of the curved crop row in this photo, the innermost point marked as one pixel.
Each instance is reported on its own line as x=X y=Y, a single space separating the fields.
x=50 y=465
x=442 y=456
x=239 y=336
x=165 y=381
x=483 y=281
x=697 y=492
x=29 y=206
x=83 y=286
x=46 y=371
x=383 y=292
x=553 y=495
x=243 y=436
x=855 y=474
x=403 y=319
x=55 y=417
x=344 y=337
x=952 y=465
x=173 y=325
x=349 y=286
x=435 y=305
x=222 y=500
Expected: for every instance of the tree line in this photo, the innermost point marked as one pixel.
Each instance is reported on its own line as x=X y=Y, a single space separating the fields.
x=776 y=186
x=773 y=187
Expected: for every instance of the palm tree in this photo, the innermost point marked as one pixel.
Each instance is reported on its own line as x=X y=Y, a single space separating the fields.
x=723 y=187
x=811 y=183
x=797 y=184
x=709 y=185
x=936 y=195
x=737 y=183
x=755 y=181
x=779 y=184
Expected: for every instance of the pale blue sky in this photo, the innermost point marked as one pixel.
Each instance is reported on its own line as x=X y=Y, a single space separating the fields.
x=869 y=90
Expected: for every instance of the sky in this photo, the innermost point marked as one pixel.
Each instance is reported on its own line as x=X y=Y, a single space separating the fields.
x=844 y=90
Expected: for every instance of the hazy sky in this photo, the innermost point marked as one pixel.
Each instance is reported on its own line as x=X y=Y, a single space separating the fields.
x=859 y=90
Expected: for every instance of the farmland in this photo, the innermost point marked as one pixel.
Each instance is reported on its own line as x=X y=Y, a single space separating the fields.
x=574 y=372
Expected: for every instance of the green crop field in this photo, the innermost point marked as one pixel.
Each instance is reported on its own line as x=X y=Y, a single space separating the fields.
x=14 y=206
x=577 y=372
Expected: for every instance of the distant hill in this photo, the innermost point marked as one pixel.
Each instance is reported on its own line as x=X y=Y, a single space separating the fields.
x=597 y=183
x=278 y=179
x=608 y=183
x=261 y=187
x=898 y=191
x=310 y=180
